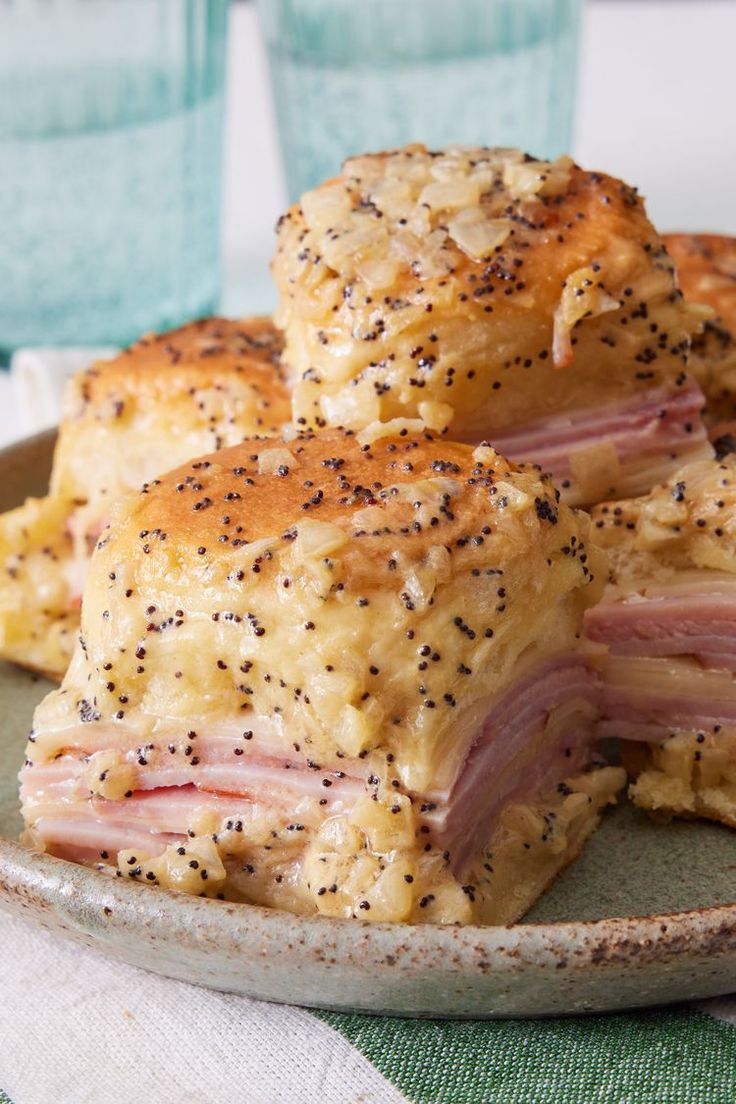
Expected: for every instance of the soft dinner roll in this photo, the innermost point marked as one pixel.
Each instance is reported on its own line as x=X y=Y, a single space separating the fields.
x=706 y=264
x=666 y=633
x=528 y=303
x=166 y=398
x=331 y=678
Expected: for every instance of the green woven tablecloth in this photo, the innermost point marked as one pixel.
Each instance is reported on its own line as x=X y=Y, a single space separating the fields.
x=652 y=1058
x=76 y=1028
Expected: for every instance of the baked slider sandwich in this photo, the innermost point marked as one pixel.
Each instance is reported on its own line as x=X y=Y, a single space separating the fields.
x=667 y=631
x=706 y=265
x=333 y=679
x=524 y=302
x=167 y=398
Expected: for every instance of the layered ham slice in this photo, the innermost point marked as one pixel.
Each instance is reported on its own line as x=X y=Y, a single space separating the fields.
x=664 y=638
x=669 y=655
x=622 y=449
x=650 y=698
x=693 y=614
x=539 y=730
x=676 y=720
x=99 y=789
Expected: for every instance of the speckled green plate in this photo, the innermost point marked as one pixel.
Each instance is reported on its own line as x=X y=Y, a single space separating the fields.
x=646 y=915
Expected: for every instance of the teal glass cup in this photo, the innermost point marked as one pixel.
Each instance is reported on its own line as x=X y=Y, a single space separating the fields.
x=351 y=77
x=111 y=118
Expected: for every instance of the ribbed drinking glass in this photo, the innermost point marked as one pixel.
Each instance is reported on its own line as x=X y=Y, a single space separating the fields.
x=351 y=76
x=110 y=166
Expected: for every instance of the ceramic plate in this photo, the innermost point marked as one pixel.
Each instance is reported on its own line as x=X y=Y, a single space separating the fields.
x=646 y=915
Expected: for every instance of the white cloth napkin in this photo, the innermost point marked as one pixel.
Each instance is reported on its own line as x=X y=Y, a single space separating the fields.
x=77 y=1028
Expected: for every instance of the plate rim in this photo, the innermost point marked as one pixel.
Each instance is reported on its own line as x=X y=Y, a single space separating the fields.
x=51 y=869
x=84 y=904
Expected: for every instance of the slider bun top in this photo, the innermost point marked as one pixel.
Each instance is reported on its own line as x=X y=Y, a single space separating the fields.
x=706 y=267
x=349 y=598
x=475 y=288
x=168 y=397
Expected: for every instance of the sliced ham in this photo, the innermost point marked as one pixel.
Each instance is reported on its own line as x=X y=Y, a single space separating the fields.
x=85 y=838
x=152 y=819
x=540 y=731
x=640 y=423
x=667 y=693
x=513 y=755
x=670 y=655
x=265 y=741
x=701 y=622
x=247 y=779
x=647 y=436
x=634 y=731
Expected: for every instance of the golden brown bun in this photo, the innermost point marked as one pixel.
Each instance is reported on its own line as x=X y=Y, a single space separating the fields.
x=319 y=552
x=166 y=398
x=689 y=521
x=706 y=266
x=473 y=288
x=357 y=610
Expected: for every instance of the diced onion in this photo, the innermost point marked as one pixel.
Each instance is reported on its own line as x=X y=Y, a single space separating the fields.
x=377 y=274
x=582 y=297
x=449 y=168
x=318 y=538
x=376 y=430
x=326 y=206
x=479 y=238
x=485 y=454
x=270 y=460
x=436 y=415
x=370 y=517
x=350 y=407
x=346 y=250
x=450 y=195
x=530 y=179
x=352 y=731
x=107 y=774
x=393 y=198
x=516 y=500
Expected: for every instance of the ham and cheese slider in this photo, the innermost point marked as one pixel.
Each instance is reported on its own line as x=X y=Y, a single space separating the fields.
x=524 y=302
x=332 y=678
x=165 y=399
x=706 y=266
x=667 y=631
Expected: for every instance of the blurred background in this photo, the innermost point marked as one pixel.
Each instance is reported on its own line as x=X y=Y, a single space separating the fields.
x=654 y=104
x=147 y=147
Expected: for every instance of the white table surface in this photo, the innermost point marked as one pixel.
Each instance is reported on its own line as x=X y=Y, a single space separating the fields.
x=656 y=106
